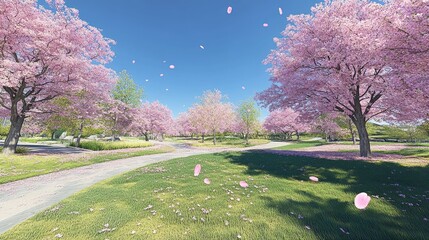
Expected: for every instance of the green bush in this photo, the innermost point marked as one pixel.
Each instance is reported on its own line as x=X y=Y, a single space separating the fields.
x=100 y=146
x=19 y=150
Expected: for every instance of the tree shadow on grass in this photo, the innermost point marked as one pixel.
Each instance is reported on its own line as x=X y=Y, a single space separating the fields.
x=403 y=194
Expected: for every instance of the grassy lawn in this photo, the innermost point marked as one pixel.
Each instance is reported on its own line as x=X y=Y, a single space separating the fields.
x=421 y=152
x=34 y=139
x=165 y=201
x=16 y=167
x=230 y=142
x=298 y=145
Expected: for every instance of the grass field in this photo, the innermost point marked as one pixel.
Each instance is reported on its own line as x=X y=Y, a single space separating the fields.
x=298 y=145
x=16 y=167
x=165 y=201
x=230 y=142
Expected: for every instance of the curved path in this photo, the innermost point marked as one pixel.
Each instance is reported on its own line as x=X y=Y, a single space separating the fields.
x=22 y=199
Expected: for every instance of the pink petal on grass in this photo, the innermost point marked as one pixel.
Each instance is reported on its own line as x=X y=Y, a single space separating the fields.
x=207 y=181
x=244 y=184
x=280 y=11
x=314 y=179
x=197 y=170
x=362 y=200
x=229 y=10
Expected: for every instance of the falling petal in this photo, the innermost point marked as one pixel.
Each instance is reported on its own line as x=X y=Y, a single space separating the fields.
x=314 y=179
x=172 y=67
x=166 y=89
x=265 y=25
x=161 y=75
x=197 y=170
x=362 y=200
x=244 y=184
x=147 y=80
x=207 y=181
x=229 y=10
x=134 y=61
x=280 y=11
x=202 y=47
x=243 y=87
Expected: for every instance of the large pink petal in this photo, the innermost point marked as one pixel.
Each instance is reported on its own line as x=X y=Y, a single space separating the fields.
x=362 y=200
x=207 y=181
x=314 y=179
x=244 y=184
x=197 y=170
x=229 y=10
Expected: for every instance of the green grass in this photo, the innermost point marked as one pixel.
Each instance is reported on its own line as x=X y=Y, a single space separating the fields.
x=17 y=167
x=100 y=145
x=279 y=193
x=412 y=152
x=298 y=145
x=34 y=139
x=421 y=152
x=230 y=142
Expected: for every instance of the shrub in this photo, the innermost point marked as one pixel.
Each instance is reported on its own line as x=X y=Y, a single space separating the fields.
x=100 y=146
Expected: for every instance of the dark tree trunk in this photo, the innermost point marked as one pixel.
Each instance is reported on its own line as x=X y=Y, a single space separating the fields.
x=12 y=139
x=79 y=136
x=297 y=135
x=214 y=137
x=53 y=135
x=202 y=138
x=146 y=137
x=364 y=144
x=352 y=132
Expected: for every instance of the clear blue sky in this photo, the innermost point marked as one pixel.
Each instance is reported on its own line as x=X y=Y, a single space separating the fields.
x=153 y=31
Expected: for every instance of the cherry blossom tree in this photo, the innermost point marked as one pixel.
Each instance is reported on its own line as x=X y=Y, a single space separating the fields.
x=285 y=121
x=46 y=52
x=212 y=115
x=326 y=125
x=337 y=59
x=152 y=118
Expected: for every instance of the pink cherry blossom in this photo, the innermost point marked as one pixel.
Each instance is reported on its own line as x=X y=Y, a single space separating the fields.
x=362 y=200
x=314 y=179
x=197 y=170
x=244 y=184
x=45 y=65
x=364 y=65
x=207 y=181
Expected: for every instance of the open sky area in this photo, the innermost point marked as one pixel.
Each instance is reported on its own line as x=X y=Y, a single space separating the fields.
x=150 y=32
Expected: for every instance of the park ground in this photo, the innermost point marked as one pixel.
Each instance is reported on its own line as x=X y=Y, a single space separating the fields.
x=165 y=201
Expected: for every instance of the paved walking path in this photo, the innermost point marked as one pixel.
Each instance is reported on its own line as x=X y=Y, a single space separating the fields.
x=23 y=199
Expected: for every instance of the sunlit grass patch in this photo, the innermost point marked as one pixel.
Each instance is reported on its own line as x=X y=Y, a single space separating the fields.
x=166 y=201
x=16 y=167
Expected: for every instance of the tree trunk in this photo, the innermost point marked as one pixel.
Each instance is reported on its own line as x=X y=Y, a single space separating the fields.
x=353 y=133
x=79 y=135
x=202 y=138
x=214 y=137
x=146 y=137
x=12 y=139
x=53 y=135
x=364 y=144
x=297 y=135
